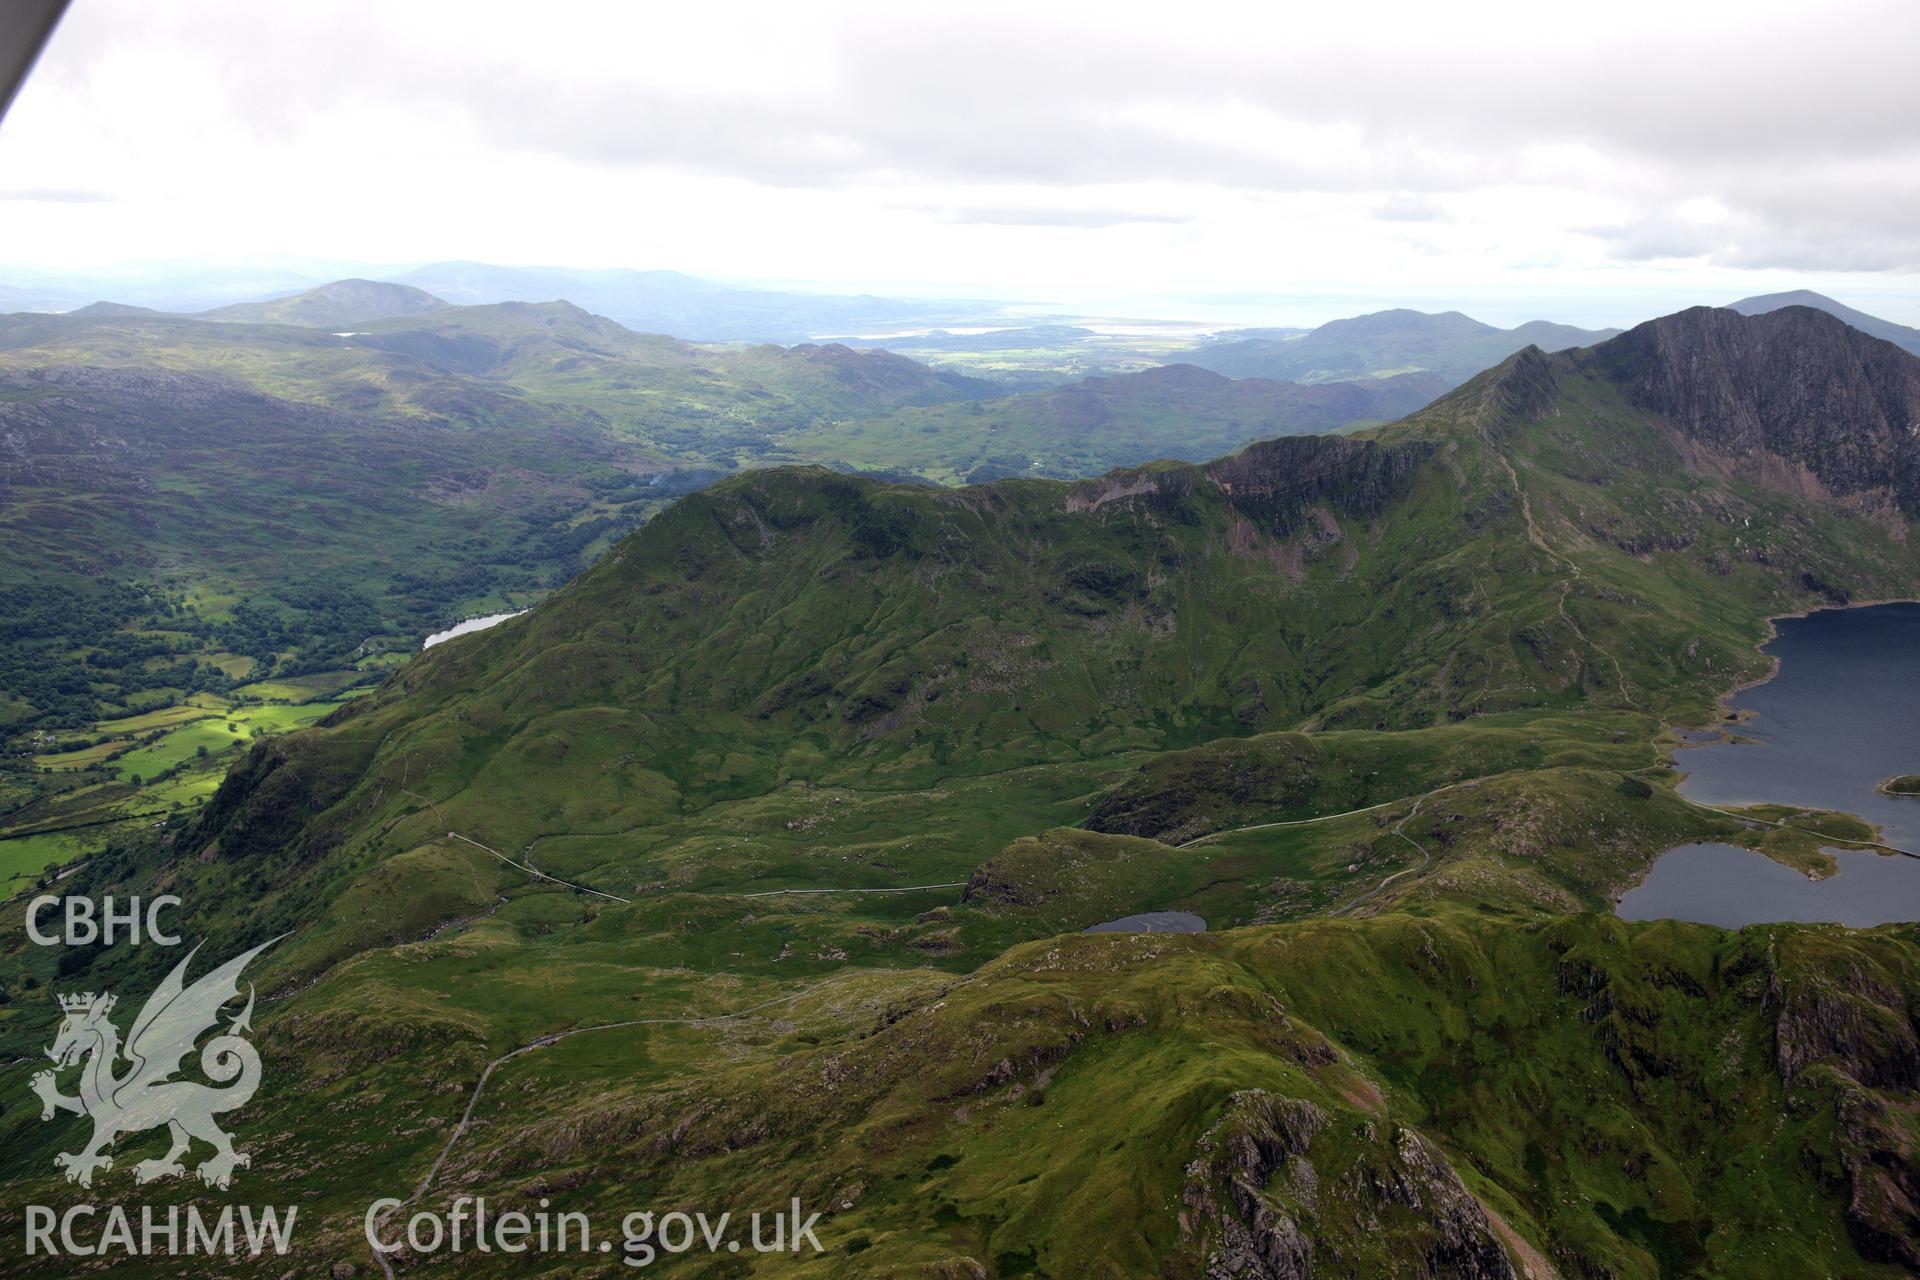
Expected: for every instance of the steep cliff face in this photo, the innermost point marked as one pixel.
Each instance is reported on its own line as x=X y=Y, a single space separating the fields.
x=1277 y=482
x=1257 y=1208
x=1795 y=383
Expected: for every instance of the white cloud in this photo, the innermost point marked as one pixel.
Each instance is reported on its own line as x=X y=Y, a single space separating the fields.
x=54 y=195
x=1065 y=149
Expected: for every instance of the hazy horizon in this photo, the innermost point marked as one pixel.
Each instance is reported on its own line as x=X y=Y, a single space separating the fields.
x=1219 y=310
x=1240 y=167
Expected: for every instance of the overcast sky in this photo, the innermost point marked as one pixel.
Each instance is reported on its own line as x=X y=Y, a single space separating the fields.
x=1593 y=163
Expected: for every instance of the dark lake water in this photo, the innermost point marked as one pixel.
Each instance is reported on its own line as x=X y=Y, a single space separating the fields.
x=1729 y=886
x=1842 y=714
x=1153 y=922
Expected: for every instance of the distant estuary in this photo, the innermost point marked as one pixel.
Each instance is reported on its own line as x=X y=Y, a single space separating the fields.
x=1840 y=718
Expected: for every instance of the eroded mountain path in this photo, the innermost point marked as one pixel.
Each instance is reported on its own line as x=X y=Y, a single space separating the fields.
x=1574 y=572
x=910 y=888
x=1306 y=822
x=536 y=872
x=1399 y=829
x=466 y=1117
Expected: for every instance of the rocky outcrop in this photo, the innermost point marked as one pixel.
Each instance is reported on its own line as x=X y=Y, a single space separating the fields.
x=1181 y=795
x=1276 y=483
x=1458 y=1238
x=1226 y=1208
x=1258 y=1208
x=1862 y=1028
x=1521 y=388
x=988 y=883
x=268 y=808
x=1883 y=1192
x=1850 y=1034
x=1796 y=384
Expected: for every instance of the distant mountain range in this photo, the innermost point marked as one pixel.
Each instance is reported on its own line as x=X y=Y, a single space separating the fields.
x=1096 y=424
x=1454 y=345
x=159 y=288
x=1449 y=344
x=1898 y=334
x=649 y=301
x=682 y=305
x=344 y=302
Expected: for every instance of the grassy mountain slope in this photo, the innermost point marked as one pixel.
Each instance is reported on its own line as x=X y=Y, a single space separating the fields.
x=264 y=525
x=1434 y=1097
x=486 y=447
x=200 y=506
x=1034 y=705
x=1175 y=411
x=1384 y=343
x=200 y=511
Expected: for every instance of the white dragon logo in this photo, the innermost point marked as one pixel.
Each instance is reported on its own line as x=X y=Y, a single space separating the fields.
x=146 y=1096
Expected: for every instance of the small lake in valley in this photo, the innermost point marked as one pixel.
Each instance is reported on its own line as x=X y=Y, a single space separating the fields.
x=1152 y=922
x=1841 y=715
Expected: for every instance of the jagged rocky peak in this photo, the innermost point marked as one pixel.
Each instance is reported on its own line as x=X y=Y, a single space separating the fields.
x=1521 y=386
x=1795 y=383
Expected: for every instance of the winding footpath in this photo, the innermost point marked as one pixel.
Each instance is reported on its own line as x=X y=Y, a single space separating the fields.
x=1307 y=822
x=1788 y=826
x=538 y=874
x=1574 y=573
x=1399 y=830
x=1426 y=859
x=911 y=888
x=534 y=871
x=528 y=867
x=466 y=1117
